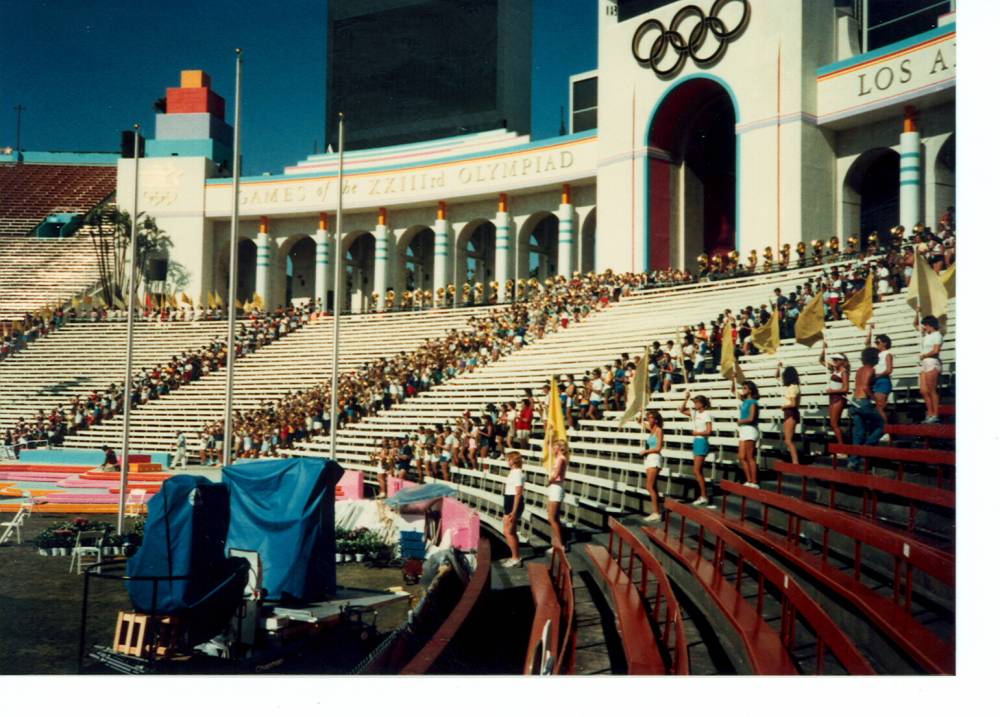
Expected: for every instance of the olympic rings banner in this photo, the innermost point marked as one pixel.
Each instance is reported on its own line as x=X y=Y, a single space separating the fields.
x=693 y=34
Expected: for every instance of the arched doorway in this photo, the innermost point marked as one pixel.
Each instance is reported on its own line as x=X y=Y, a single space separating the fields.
x=246 y=270
x=300 y=271
x=588 y=240
x=539 y=247
x=479 y=239
x=944 y=181
x=417 y=259
x=871 y=193
x=691 y=172
x=359 y=272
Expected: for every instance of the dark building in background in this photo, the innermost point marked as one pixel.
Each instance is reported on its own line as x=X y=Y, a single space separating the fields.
x=413 y=70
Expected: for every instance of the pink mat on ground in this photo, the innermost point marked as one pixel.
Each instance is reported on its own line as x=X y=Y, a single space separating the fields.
x=82 y=498
x=34 y=477
x=84 y=483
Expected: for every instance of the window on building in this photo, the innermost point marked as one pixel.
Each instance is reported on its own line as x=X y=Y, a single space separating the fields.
x=883 y=22
x=584 y=105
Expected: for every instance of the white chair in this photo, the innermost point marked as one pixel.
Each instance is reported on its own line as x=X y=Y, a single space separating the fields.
x=89 y=543
x=14 y=525
x=134 y=503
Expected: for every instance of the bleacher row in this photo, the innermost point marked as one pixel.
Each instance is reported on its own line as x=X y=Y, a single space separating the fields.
x=35 y=272
x=30 y=192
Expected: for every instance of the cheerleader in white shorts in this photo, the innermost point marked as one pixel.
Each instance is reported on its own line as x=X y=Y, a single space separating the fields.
x=652 y=461
x=557 y=476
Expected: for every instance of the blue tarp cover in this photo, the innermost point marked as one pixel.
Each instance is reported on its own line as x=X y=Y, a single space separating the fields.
x=185 y=535
x=283 y=509
x=420 y=493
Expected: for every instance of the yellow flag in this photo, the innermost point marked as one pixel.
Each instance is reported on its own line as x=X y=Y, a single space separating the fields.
x=186 y=299
x=172 y=300
x=811 y=322
x=258 y=301
x=75 y=302
x=767 y=338
x=247 y=307
x=858 y=307
x=927 y=290
x=219 y=303
x=729 y=367
x=638 y=391
x=555 y=426
x=948 y=279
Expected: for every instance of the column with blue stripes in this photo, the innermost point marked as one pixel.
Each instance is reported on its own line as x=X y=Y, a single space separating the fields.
x=263 y=273
x=501 y=271
x=322 y=238
x=381 y=258
x=565 y=215
x=910 y=180
x=441 y=243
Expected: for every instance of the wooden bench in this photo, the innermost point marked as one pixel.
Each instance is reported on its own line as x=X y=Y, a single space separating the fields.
x=555 y=617
x=871 y=486
x=900 y=456
x=769 y=650
x=644 y=649
x=893 y=619
x=936 y=431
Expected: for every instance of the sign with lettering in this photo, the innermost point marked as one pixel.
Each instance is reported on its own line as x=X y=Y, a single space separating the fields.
x=538 y=166
x=896 y=76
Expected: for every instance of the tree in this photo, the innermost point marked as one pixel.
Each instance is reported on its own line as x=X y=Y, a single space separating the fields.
x=111 y=236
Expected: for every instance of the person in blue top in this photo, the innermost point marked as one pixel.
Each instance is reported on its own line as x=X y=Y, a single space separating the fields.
x=651 y=459
x=749 y=433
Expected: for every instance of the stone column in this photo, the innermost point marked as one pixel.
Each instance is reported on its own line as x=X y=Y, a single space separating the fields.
x=322 y=238
x=441 y=243
x=565 y=265
x=501 y=271
x=263 y=274
x=381 y=234
x=909 y=171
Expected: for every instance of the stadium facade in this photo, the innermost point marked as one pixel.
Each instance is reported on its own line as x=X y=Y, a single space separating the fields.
x=733 y=124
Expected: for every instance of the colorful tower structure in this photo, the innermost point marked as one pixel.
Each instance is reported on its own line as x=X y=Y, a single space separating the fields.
x=194 y=124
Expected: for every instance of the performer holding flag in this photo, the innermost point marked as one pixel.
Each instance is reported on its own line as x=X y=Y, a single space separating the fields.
x=555 y=457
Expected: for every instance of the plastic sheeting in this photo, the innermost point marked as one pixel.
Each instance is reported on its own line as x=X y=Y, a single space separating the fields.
x=283 y=510
x=421 y=494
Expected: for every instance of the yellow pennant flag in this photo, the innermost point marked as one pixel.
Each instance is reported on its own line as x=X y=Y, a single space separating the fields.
x=555 y=426
x=247 y=307
x=219 y=303
x=172 y=300
x=211 y=300
x=75 y=302
x=767 y=338
x=811 y=322
x=926 y=290
x=858 y=307
x=729 y=367
x=258 y=301
x=186 y=299
x=948 y=279
x=638 y=391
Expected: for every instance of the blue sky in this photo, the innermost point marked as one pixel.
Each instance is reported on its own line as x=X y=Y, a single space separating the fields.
x=87 y=69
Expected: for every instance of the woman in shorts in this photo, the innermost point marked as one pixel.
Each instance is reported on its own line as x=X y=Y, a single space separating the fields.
x=930 y=366
x=556 y=492
x=882 y=386
x=790 y=410
x=701 y=430
x=513 y=507
x=749 y=433
x=651 y=459
x=837 y=387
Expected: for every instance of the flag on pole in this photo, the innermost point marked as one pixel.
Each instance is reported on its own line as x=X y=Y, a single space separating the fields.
x=638 y=391
x=187 y=299
x=219 y=303
x=258 y=301
x=729 y=367
x=858 y=307
x=247 y=307
x=172 y=300
x=811 y=322
x=767 y=338
x=948 y=279
x=75 y=302
x=120 y=303
x=555 y=426
x=927 y=290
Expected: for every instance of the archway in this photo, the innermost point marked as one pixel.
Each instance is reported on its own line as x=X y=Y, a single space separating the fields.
x=539 y=247
x=691 y=173
x=944 y=181
x=359 y=271
x=479 y=240
x=416 y=265
x=246 y=270
x=871 y=193
x=299 y=268
x=588 y=241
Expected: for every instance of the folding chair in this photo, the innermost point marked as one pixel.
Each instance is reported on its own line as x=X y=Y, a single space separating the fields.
x=88 y=543
x=14 y=525
x=134 y=503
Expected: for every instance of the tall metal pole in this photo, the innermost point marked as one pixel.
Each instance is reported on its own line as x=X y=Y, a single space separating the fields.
x=130 y=324
x=337 y=287
x=234 y=232
x=19 y=109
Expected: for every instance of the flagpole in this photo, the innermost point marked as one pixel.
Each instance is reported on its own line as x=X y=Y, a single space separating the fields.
x=334 y=378
x=234 y=230
x=130 y=324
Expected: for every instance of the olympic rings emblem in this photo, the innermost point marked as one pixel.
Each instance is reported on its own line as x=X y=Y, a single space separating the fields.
x=667 y=40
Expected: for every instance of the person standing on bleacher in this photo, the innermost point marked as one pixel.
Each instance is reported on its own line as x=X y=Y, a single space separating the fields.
x=651 y=459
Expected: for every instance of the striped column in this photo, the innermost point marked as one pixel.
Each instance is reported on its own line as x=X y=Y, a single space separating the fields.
x=441 y=231
x=322 y=238
x=909 y=172
x=263 y=273
x=501 y=271
x=565 y=215
x=381 y=258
